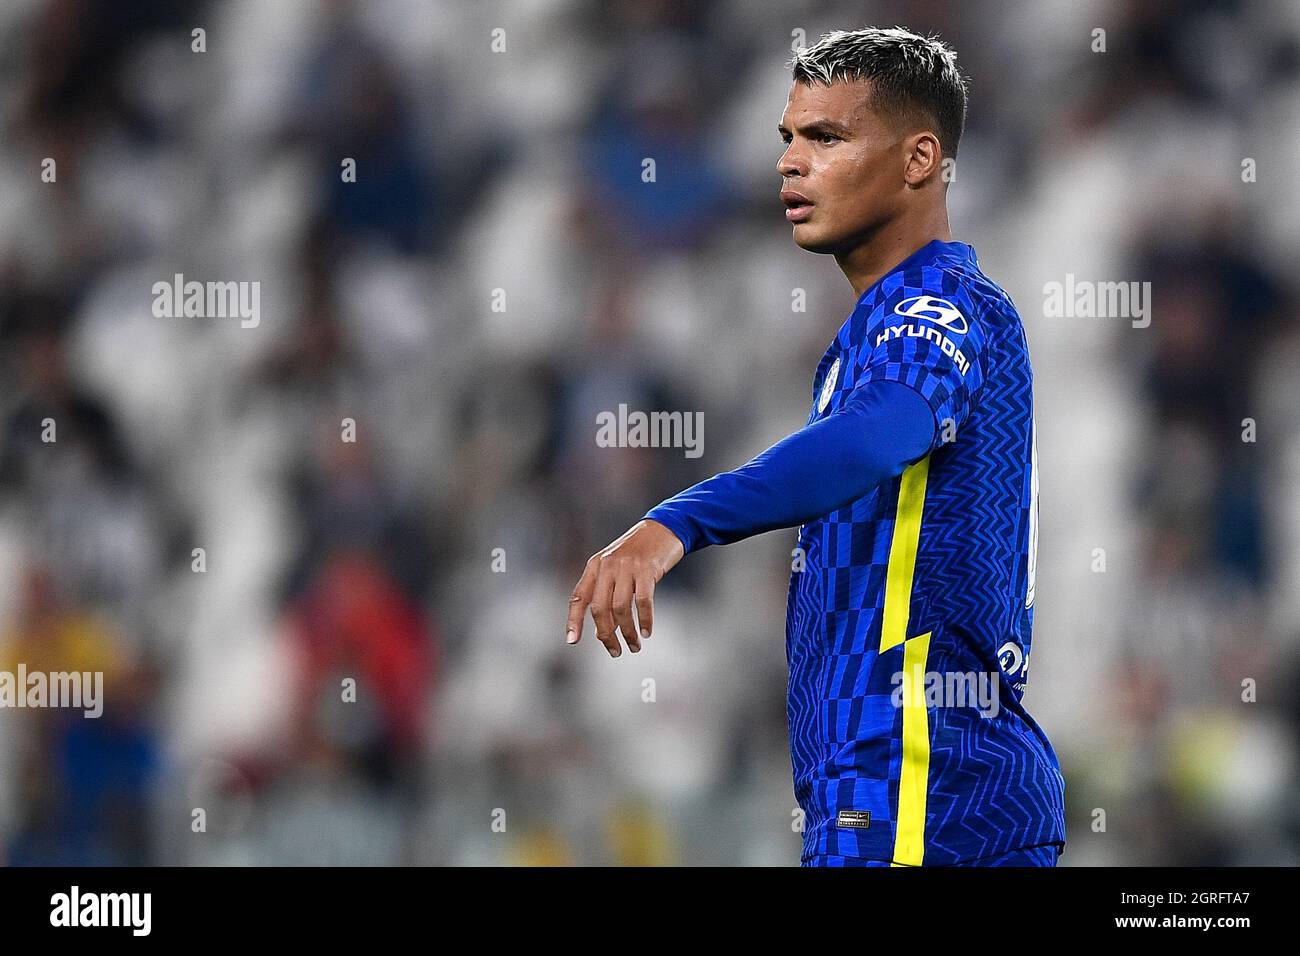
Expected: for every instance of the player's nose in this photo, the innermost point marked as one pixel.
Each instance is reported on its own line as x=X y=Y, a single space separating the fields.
x=789 y=164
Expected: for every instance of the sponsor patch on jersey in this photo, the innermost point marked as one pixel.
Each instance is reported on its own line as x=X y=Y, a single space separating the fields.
x=933 y=309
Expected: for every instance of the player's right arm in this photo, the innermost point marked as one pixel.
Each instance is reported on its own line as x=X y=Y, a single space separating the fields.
x=879 y=430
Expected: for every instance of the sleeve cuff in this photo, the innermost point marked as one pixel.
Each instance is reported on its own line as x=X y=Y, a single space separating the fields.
x=673 y=524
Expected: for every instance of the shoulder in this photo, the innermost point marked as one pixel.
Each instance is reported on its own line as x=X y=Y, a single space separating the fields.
x=949 y=292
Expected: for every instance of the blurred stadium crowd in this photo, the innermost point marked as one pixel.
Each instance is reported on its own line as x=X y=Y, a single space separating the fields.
x=499 y=274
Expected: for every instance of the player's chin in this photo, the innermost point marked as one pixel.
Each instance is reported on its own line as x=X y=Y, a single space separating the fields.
x=813 y=238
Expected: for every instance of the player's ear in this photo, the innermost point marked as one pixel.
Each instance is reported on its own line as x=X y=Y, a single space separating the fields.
x=923 y=158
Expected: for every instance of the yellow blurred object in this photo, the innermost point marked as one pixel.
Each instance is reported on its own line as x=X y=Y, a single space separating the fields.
x=638 y=838
x=1200 y=754
x=541 y=848
x=66 y=642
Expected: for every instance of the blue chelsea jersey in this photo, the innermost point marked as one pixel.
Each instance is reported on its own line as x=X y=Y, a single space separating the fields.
x=910 y=613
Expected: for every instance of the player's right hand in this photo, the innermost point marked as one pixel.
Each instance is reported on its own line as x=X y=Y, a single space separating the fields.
x=618 y=576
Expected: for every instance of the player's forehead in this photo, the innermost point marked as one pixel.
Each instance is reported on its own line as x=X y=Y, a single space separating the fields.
x=844 y=102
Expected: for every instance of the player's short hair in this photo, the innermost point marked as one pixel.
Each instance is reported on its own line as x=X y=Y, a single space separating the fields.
x=912 y=77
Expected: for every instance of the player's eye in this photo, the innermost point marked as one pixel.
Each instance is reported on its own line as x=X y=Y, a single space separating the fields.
x=827 y=138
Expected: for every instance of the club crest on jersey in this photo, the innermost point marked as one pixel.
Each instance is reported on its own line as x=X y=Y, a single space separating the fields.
x=933 y=309
x=828 y=386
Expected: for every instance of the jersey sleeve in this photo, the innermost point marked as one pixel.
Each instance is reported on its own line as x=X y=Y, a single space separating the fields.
x=879 y=430
x=931 y=343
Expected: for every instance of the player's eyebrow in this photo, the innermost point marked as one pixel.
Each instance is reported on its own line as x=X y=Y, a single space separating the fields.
x=817 y=127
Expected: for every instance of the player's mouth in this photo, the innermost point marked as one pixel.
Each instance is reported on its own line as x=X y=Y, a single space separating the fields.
x=798 y=207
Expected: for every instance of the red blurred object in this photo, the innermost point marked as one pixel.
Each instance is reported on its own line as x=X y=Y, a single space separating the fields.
x=354 y=620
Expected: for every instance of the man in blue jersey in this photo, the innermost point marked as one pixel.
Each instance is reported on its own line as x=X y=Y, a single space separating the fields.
x=914 y=485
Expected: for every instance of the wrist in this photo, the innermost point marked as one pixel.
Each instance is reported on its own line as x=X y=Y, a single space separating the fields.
x=674 y=541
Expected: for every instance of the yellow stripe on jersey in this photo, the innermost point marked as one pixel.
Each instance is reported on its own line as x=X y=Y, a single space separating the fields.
x=902 y=554
x=913 y=784
x=909 y=834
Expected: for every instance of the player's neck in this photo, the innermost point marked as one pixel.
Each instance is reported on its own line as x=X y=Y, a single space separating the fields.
x=874 y=257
